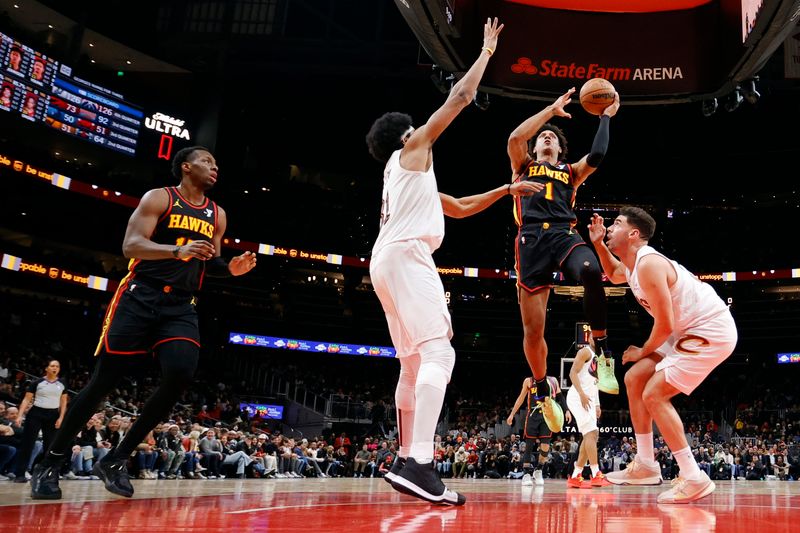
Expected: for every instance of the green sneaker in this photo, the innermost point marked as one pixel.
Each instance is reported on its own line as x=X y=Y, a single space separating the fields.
x=606 y=380
x=553 y=415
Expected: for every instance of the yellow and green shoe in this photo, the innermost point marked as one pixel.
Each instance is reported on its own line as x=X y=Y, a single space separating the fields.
x=606 y=380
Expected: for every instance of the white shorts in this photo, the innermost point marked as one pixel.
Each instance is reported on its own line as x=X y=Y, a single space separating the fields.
x=412 y=295
x=690 y=356
x=586 y=420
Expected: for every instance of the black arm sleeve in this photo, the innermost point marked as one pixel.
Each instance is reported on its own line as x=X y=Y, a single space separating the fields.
x=600 y=144
x=217 y=268
x=561 y=401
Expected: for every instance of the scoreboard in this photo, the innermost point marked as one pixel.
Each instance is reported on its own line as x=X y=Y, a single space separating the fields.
x=40 y=89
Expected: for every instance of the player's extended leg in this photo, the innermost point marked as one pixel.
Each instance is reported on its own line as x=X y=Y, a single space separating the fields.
x=582 y=265
x=107 y=373
x=693 y=483
x=643 y=470
x=437 y=358
x=405 y=403
x=178 y=360
x=533 y=308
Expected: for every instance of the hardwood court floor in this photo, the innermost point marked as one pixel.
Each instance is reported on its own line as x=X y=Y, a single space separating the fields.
x=370 y=505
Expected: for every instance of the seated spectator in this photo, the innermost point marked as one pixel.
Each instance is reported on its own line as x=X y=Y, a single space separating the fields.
x=211 y=452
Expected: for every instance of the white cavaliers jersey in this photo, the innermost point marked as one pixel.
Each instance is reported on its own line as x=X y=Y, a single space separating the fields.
x=410 y=207
x=587 y=376
x=693 y=301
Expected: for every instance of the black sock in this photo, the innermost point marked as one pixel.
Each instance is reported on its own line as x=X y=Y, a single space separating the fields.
x=542 y=388
x=601 y=346
x=53 y=459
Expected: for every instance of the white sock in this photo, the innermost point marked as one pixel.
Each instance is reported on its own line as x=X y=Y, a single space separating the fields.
x=595 y=469
x=688 y=466
x=577 y=471
x=430 y=398
x=405 y=433
x=644 y=448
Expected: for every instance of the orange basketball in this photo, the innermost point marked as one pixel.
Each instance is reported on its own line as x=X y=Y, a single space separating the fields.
x=596 y=95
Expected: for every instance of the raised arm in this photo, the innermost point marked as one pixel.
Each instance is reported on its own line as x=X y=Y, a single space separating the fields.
x=518 y=140
x=470 y=205
x=589 y=163
x=613 y=267
x=415 y=152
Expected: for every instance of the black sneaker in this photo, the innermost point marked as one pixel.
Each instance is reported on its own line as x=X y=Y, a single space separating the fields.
x=20 y=479
x=397 y=466
x=114 y=474
x=422 y=481
x=44 y=483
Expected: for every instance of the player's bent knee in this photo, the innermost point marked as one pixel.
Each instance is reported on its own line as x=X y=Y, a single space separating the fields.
x=438 y=357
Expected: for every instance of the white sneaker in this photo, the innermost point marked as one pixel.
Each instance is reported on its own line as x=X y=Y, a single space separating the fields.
x=70 y=475
x=527 y=480
x=637 y=473
x=537 y=477
x=685 y=491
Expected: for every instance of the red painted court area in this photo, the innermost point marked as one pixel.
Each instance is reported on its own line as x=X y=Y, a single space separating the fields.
x=370 y=505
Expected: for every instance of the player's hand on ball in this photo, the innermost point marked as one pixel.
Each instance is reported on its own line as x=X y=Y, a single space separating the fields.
x=242 y=264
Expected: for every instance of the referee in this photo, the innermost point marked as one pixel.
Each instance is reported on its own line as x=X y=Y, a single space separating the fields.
x=48 y=396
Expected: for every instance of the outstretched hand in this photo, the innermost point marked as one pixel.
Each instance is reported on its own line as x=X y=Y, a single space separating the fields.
x=525 y=188
x=242 y=264
x=491 y=31
x=597 y=231
x=561 y=102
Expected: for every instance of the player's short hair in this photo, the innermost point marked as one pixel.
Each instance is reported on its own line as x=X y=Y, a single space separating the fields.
x=183 y=155
x=562 y=140
x=385 y=135
x=641 y=220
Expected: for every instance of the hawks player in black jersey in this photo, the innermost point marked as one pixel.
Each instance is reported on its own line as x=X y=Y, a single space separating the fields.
x=547 y=240
x=173 y=240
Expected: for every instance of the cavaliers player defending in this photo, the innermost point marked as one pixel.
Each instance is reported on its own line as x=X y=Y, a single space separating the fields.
x=693 y=332
x=406 y=281
x=173 y=240
x=547 y=240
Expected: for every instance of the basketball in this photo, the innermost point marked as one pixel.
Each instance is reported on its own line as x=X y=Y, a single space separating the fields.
x=596 y=95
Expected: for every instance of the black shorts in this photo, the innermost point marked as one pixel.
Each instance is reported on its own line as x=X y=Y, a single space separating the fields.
x=536 y=427
x=540 y=250
x=142 y=315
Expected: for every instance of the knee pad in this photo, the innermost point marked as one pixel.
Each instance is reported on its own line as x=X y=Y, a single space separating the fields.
x=437 y=360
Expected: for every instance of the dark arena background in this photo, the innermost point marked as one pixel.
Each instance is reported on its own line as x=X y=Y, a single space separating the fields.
x=283 y=93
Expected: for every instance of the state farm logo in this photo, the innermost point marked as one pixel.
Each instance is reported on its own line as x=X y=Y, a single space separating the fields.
x=524 y=66
x=553 y=69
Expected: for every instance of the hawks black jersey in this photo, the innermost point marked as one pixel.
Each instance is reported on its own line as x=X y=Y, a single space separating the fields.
x=554 y=203
x=180 y=224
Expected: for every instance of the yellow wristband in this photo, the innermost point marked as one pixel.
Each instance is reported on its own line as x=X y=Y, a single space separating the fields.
x=490 y=50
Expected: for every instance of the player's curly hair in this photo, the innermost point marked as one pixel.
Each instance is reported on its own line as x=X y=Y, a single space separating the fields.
x=183 y=155
x=385 y=135
x=562 y=140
